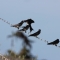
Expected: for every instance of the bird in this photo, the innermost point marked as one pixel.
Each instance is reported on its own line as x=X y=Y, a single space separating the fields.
x=29 y=22
x=31 y=29
x=24 y=28
x=36 y=33
x=18 y=25
x=55 y=42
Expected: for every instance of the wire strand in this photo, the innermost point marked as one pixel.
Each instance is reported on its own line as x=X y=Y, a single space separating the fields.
x=5 y=21
x=11 y=24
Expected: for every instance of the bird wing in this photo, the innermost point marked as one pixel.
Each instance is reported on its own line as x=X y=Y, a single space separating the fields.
x=20 y=24
x=54 y=42
x=50 y=43
x=36 y=33
x=29 y=21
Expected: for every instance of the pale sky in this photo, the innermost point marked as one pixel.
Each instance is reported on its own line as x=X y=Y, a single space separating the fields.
x=45 y=13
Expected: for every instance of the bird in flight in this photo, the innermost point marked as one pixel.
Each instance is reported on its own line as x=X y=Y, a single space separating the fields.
x=18 y=25
x=29 y=22
x=54 y=42
x=36 y=33
x=24 y=28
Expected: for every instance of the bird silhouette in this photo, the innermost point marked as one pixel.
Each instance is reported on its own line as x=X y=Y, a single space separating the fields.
x=36 y=33
x=29 y=22
x=25 y=28
x=54 y=42
x=18 y=25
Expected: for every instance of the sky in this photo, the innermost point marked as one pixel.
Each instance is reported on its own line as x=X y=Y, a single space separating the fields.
x=45 y=13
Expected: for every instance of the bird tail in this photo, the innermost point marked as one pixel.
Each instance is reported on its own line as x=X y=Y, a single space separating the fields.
x=31 y=28
x=21 y=30
x=49 y=43
x=29 y=35
x=15 y=26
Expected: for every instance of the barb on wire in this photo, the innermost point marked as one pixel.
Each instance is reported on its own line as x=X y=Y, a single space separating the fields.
x=46 y=41
x=28 y=33
x=5 y=21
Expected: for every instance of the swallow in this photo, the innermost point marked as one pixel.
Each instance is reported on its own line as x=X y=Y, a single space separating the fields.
x=25 y=28
x=36 y=33
x=54 y=42
x=29 y=22
x=18 y=25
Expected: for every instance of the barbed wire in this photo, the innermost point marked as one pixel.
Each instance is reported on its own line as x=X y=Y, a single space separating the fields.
x=4 y=58
x=11 y=24
x=5 y=21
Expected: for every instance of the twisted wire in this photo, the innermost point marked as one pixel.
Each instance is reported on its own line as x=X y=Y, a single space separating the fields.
x=11 y=24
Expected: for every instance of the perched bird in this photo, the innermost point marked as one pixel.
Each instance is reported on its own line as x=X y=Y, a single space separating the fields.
x=29 y=22
x=24 y=28
x=36 y=33
x=54 y=42
x=18 y=25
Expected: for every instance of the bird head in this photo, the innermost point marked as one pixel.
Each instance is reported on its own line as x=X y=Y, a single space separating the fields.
x=31 y=20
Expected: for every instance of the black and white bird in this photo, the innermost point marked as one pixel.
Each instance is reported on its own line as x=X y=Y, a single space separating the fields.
x=29 y=22
x=54 y=42
x=25 y=28
x=36 y=33
x=18 y=25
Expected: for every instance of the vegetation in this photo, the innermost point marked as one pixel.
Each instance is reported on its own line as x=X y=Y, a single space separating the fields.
x=25 y=52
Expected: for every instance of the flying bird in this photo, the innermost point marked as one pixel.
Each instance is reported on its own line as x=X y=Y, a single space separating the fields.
x=54 y=42
x=24 y=28
x=18 y=25
x=29 y=22
x=36 y=33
